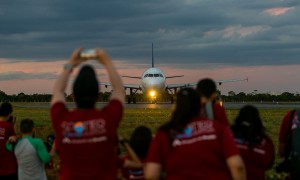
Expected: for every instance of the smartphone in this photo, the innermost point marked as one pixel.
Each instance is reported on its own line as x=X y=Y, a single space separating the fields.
x=88 y=54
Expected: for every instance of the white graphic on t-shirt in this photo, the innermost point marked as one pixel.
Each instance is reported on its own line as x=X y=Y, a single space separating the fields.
x=201 y=127
x=2 y=132
x=94 y=127
x=67 y=140
x=195 y=132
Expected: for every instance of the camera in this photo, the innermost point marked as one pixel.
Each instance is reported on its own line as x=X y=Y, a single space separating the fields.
x=88 y=54
x=49 y=142
x=12 y=119
x=284 y=166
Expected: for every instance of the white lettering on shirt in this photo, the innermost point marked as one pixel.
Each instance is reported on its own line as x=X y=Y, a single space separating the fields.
x=257 y=150
x=67 y=140
x=178 y=142
x=201 y=127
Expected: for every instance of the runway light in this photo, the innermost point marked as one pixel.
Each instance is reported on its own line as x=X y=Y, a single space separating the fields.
x=152 y=93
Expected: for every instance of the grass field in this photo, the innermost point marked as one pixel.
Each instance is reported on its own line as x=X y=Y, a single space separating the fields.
x=152 y=118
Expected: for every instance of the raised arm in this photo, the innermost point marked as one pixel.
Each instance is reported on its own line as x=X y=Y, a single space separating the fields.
x=236 y=167
x=62 y=81
x=104 y=59
x=124 y=142
x=115 y=79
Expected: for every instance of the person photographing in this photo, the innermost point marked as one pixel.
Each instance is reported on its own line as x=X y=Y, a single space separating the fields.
x=86 y=136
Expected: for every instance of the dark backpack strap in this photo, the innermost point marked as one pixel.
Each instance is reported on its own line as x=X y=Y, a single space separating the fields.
x=172 y=136
x=295 y=149
x=288 y=139
x=209 y=110
x=13 y=147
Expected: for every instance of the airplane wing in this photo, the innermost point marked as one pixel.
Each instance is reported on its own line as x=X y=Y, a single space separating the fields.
x=134 y=77
x=173 y=86
x=132 y=86
x=230 y=80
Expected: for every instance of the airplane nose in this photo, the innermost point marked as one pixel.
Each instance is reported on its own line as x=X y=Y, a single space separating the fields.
x=156 y=85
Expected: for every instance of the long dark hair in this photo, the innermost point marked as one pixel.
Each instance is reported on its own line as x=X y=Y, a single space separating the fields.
x=248 y=126
x=140 y=141
x=187 y=107
x=86 y=88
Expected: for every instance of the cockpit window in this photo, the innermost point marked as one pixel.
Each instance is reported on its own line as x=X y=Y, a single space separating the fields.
x=153 y=75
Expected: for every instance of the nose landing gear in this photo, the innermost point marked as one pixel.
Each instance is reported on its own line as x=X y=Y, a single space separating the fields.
x=131 y=99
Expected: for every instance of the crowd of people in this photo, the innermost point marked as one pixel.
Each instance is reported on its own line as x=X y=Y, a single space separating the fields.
x=196 y=143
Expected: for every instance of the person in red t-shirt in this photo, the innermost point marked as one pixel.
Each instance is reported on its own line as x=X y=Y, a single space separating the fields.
x=257 y=149
x=12 y=119
x=286 y=129
x=191 y=147
x=210 y=108
x=8 y=162
x=86 y=137
x=288 y=125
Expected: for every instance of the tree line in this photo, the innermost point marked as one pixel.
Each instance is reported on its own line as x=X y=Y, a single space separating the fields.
x=22 y=97
x=140 y=97
x=262 y=97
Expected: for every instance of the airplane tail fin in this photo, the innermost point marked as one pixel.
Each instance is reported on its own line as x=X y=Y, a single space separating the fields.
x=152 y=57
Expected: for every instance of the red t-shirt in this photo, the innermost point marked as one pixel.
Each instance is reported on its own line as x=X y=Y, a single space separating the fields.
x=219 y=113
x=284 y=128
x=8 y=163
x=86 y=140
x=198 y=153
x=258 y=159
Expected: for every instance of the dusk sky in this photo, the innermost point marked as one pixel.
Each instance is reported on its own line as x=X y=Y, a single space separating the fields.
x=221 y=39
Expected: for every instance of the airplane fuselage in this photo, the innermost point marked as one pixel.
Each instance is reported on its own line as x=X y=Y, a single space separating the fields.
x=153 y=80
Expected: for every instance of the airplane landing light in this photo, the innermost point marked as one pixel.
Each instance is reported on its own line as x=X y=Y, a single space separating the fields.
x=152 y=93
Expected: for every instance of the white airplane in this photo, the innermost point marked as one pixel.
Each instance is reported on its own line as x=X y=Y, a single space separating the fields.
x=153 y=82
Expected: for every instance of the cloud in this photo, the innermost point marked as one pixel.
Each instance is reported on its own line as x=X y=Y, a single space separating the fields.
x=237 y=31
x=186 y=30
x=18 y=75
x=278 y=11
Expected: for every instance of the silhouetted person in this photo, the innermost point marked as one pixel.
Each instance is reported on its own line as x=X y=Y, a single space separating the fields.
x=86 y=137
x=256 y=148
x=191 y=147
x=289 y=146
x=12 y=119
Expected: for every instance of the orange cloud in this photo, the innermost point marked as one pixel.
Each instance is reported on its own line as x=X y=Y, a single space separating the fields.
x=237 y=31
x=277 y=11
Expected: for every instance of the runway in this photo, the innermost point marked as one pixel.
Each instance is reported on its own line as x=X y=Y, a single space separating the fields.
x=227 y=105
